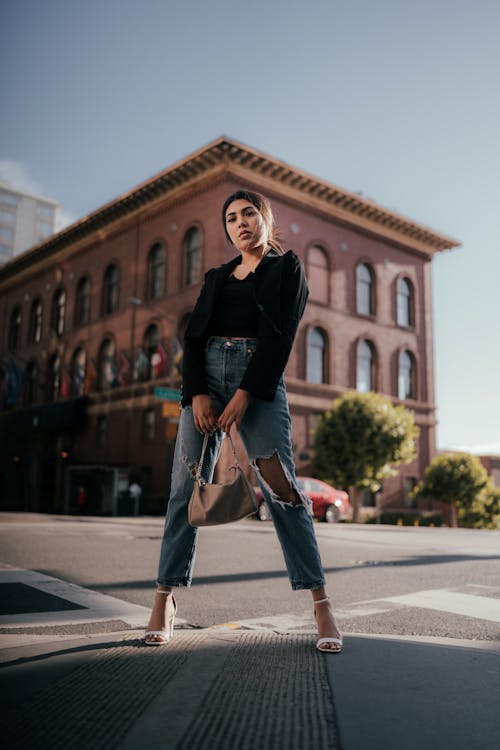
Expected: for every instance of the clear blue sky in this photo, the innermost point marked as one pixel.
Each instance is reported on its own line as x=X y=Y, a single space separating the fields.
x=397 y=99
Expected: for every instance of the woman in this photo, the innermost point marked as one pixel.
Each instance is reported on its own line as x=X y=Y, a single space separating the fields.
x=237 y=344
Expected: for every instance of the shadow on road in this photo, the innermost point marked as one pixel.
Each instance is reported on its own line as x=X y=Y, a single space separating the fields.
x=265 y=575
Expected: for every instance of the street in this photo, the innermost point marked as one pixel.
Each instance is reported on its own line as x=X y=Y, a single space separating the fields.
x=382 y=579
x=420 y=610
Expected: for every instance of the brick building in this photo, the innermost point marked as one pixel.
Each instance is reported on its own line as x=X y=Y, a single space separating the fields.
x=93 y=320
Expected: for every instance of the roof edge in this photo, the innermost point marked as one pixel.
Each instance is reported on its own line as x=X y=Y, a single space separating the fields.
x=226 y=150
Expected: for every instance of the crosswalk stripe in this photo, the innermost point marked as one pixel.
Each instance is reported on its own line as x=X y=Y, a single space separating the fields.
x=470 y=605
x=453 y=601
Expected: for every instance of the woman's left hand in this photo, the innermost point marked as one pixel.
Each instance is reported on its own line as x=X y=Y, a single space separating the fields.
x=234 y=411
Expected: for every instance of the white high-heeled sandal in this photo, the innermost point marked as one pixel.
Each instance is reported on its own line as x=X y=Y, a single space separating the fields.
x=337 y=642
x=168 y=632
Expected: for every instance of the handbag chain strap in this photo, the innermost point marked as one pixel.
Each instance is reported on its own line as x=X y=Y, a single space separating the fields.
x=198 y=478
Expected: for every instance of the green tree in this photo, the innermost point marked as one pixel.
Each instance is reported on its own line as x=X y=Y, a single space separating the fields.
x=484 y=512
x=359 y=441
x=458 y=479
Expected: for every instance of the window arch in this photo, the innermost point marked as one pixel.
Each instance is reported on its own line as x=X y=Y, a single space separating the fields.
x=106 y=366
x=365 y=366
x=54 y=378
x=110 y=290
x=156 y=271
x=406 y=376
x=365 y=293
x=78 y=369
x=318 y=274
x=404 y=303
x=192 y=256
x=316 y=369
x=82 y=303
x=30 y=386
x=58 y=311
x=35 y=326
x=15 y=329
x=154 y=352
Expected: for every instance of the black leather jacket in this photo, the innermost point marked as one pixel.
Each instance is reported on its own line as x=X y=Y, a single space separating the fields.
x=281 y=294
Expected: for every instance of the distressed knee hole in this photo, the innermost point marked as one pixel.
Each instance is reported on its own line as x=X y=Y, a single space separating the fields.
x=277 y=480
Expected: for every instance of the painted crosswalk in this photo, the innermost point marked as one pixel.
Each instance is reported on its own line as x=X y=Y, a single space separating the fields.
x=457 y=603
x=472 y=600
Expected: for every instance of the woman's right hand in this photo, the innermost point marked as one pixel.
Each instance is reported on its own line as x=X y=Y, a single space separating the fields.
x=204 y=413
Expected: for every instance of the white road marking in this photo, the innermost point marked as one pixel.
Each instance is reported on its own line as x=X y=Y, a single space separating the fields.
x=442 y=600
x=470 y=605
x=98 y=607
x=280 y=623
x=364 y=609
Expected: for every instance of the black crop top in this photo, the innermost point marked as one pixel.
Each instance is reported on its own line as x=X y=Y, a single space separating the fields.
x=235 y=313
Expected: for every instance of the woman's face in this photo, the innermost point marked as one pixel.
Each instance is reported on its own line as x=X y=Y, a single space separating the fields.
x=244 y=225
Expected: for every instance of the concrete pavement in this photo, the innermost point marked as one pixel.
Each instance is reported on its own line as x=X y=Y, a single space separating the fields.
x=223 y=688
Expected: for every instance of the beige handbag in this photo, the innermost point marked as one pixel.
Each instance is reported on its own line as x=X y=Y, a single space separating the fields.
x=214 y=504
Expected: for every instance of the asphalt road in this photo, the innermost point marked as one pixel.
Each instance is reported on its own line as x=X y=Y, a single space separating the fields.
x=382 y=579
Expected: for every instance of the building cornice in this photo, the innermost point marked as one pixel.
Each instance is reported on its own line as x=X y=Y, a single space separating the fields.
x=225 y=155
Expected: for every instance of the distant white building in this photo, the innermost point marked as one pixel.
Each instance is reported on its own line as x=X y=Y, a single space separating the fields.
x=25 y=220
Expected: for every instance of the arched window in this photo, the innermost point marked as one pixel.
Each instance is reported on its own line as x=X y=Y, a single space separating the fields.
x=58 y=310
x=404 y=303
x=365 y=366
x=82 y=303
x=192 y=256
x=406 y=376
x=156 y=271
x=78 y=369
x=365 y=303
x=316 y=356
x=107 y=373
x=35 y=329
x=15 y=329
x=30 y=386
x=110 y=290
x=54 y=378
x=154 y=352
x=317 y=274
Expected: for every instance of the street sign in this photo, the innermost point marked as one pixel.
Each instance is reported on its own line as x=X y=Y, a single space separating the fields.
x=168 y=394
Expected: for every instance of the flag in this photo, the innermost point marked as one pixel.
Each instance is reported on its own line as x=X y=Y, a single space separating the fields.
x=90 y=376
x=65 y=387
x=110 y=373
x=158 y=361
x=78 y=380
x=177 y=353
x=141 y=365
x=123 y=369
x=15 y=381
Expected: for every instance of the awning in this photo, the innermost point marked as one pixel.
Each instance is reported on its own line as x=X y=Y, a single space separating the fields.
x=69 y=415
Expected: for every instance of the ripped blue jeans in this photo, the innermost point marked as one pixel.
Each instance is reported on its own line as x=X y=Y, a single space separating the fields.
x=265 y=432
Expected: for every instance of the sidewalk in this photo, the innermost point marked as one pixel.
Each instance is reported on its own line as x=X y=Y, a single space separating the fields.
x=235 y=689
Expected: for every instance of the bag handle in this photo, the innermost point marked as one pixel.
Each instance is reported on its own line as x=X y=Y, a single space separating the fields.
x=198 y=478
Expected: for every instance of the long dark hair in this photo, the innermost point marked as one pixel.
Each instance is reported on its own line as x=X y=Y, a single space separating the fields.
x=264 y=208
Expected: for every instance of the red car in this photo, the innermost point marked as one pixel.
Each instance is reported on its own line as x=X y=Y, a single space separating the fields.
x=329 y=504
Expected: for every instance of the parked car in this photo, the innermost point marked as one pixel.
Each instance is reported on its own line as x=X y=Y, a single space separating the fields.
x=329 y=504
